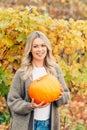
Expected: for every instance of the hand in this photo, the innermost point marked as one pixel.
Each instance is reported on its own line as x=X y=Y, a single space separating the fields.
x=60 y=95
x=40 y=105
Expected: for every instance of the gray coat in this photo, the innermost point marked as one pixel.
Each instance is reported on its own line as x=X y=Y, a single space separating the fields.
x=19 y=102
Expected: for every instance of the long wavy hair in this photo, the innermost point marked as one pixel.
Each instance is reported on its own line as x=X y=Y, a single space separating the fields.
x=49 y=61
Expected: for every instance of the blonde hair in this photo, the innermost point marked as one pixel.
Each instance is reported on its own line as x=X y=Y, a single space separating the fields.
x=49 y=61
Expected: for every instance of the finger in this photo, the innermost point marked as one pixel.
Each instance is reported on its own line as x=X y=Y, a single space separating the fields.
x=44 y=105
x=32 y=100
x=59 y=97
x=41 y=103
x=35 y=105
x=61 y=89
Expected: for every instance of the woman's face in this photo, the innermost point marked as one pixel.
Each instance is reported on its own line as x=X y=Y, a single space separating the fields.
x=38 y=49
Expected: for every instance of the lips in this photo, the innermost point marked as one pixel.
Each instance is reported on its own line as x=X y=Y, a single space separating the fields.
x=40 y=55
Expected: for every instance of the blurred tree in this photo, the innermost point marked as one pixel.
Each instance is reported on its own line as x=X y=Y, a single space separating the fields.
x=76 y=9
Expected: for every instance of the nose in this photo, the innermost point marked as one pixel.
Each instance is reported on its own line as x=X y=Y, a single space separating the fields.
x=40 y=48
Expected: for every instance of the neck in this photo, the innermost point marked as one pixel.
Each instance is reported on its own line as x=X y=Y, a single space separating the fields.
x=38 y=64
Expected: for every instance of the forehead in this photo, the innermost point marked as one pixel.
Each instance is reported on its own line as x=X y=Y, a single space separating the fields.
x=38 y=41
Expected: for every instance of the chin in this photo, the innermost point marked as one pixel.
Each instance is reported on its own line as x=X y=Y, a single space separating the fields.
x=40 y=58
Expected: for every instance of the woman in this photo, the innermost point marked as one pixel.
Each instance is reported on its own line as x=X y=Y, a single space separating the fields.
x=37 y=61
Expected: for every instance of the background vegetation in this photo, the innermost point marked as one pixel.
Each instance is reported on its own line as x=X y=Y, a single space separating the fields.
x=68 y=35
x=76 y=9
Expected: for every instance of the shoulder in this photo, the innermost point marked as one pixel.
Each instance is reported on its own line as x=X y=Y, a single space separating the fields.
x=18 y=73
x=58 y=68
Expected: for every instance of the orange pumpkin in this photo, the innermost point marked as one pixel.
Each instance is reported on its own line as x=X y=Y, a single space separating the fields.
x=46 y=88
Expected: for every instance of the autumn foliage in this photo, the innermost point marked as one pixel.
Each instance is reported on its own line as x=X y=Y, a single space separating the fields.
x=76 y=9
x=68 y=40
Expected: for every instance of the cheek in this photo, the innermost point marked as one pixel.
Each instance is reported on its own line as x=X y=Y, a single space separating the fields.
x=33 y=50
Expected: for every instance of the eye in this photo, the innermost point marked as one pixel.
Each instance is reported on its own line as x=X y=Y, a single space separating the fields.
x=35 y=46
x=43 y=45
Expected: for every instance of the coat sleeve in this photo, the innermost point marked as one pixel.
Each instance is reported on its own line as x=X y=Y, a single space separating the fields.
x=15 y=100
x=66 y=94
